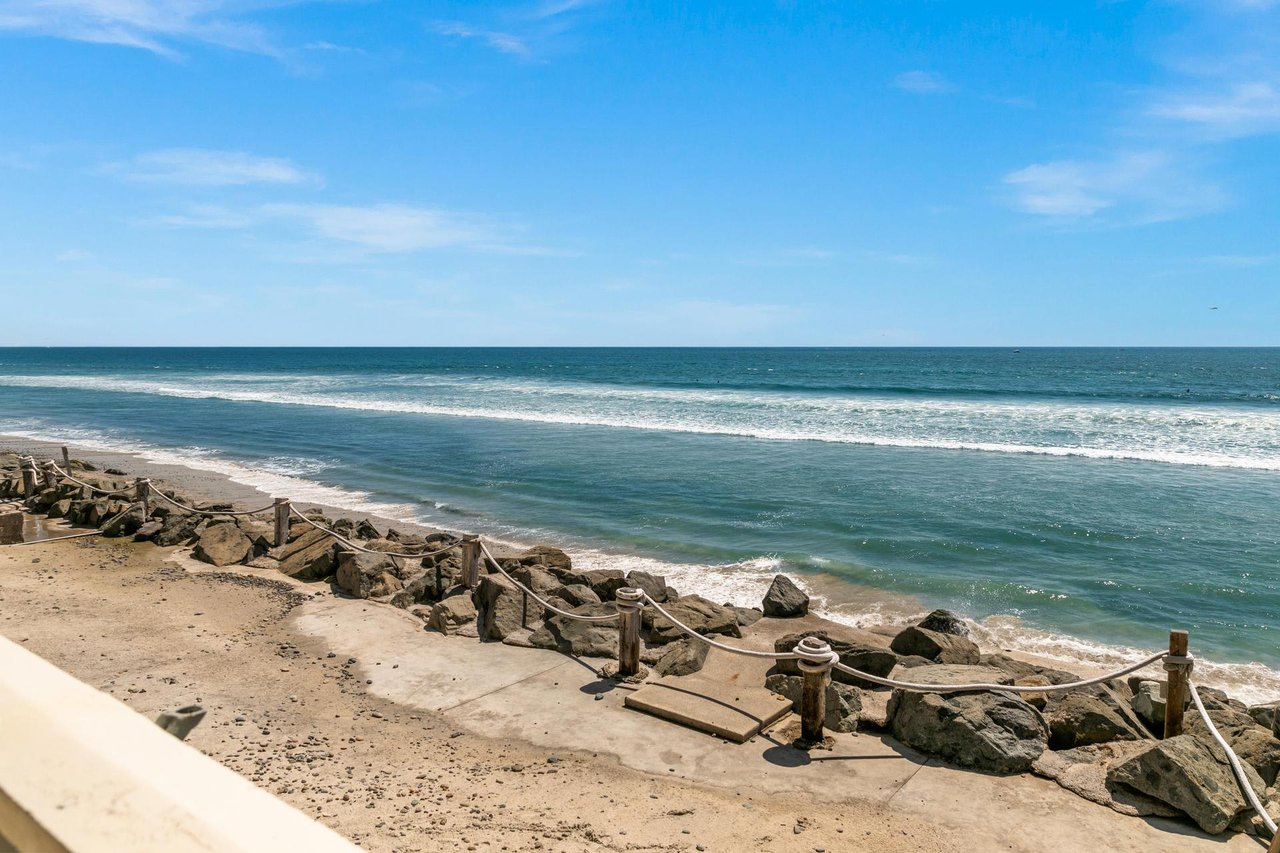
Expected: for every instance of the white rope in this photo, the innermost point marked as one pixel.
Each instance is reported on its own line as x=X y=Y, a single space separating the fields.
x=1007 y=688
x=159 y=494
x=484 y=549
x=710 y=642
x=1241 y=779
x=345 y=541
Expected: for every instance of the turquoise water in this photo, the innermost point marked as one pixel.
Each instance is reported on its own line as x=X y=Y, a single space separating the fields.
x=1100 y=496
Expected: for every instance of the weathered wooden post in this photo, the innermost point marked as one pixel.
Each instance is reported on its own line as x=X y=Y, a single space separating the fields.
x=51 y=474
x=470 y=560
x=629 y=602
x=143 y=486
x=1179 y=667
x=1275 y=844
x=282 y=521
x=28 y=477
x=816 y=660
x=66 y=460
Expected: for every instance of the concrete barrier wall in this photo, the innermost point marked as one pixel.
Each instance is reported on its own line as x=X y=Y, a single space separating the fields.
x=81 y=772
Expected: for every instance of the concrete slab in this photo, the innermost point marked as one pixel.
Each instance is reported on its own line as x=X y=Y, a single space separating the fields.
x=736 y=712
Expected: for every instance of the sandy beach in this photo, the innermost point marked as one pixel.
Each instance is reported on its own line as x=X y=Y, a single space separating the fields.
x=403 y=739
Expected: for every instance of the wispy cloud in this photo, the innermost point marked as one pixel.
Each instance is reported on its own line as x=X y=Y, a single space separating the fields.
x=923 y=83
x=208 y=167
x=155 y=25
x=1127 y=188
x=1236 y=110
x=500 y=41
x=371 y=229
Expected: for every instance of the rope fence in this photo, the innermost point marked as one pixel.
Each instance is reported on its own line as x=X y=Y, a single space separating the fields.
x=814 y=656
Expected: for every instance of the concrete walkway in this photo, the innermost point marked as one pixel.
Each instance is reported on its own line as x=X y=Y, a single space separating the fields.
x=550 y=700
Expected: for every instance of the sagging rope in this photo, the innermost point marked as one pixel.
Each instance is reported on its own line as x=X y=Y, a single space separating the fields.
x=710 y=642
x=345 y=541
x=1007 y=688
x=159 y=494
x=90 y=486
x=580 y=617
x=1241 y=779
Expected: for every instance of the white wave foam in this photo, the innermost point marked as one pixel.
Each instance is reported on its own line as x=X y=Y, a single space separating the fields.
x=1223 y=436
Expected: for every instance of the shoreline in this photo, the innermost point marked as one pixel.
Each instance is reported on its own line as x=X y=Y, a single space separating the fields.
x=875 y=610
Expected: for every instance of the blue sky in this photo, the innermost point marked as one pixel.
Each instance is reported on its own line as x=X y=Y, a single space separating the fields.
x=543 y=173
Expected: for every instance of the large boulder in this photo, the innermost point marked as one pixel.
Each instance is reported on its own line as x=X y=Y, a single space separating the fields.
x=942 y=648
x=784 y=600
x=993 y=732
x=860 y=650
x=944 y=622
x=503 y=607
x=1267 y=715
x=576 y=595
x=575 y=637
x=1255 y=745
x=703 y=616
x=844 y=701
x=452 y=613
x=545 y=555
x=1085 y=717
x=654 y=585
x=1186 y=773
x=178 y=529
x=537 y=579
x=223 y=545
x=148 y=531
x=358 y=573
x=125 y=523
x=312 y=556
x=683 y=657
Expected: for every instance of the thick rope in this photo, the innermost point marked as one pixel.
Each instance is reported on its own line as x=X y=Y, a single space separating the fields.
x=710 y=642
x=90 y=486
x=345 y=541
x=159 y=494
x=56 y=538
x=1007 y=688
x=1241 y=779
x=484 y=549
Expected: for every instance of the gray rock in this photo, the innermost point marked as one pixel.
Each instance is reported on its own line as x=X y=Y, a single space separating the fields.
x=654 y=585
x=452 y=613
x=312 y=556
x=148 y=531
x=574 y=637
x=178 y=529
x=1083 y=771
x=576 y=595
x=944 y=622
x=537 y=579
x=683 y=657
x=545 y=555
x=365 y=530
x=860 y=650
x=125 y=523
x=1081 y=719
x=1185 y=773
x=223 y=545
x=844 y=701
x=503 y=607
x=1149 y=701
x=358 y=573
x=943 y=648
x=1266 y=716
x=747 y=616
x=260 y=533
x=951 y=673
x=60 y=508
x=703 y=616
x=994 y=732
x=1254 y=744
x=784 y=600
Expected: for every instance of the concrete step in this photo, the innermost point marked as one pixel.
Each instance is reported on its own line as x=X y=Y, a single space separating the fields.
x=735 y=712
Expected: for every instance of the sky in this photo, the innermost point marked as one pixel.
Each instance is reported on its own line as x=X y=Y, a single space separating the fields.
x=568 y=172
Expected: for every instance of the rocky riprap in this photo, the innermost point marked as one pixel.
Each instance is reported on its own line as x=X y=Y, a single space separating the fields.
x=1101 y=742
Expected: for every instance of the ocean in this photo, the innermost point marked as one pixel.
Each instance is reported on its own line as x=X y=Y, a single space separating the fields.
x=1076 y=503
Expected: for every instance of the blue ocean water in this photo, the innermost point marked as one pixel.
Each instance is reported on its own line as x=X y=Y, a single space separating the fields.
x=1071 y=500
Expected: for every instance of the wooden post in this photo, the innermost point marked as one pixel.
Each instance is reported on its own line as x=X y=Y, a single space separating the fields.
x=815 y=667
x=28 y=478
x=1275 y=844
x=629 y=602
x=66 y=460
x=1176 y=695
x=470 y=561
x=50 y=475
x=144 y=495
x=282 y=521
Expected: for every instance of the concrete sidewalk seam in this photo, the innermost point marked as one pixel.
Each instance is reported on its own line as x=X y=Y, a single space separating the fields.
x=499 y=689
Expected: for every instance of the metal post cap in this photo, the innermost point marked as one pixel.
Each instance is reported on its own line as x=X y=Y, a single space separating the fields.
x=629 y=597
x=815 y=655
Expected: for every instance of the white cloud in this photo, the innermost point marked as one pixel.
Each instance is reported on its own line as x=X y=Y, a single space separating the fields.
x=1126 y=188
x=1241 y=109
x=154 y=25
x=386 y=227
x=923 y=83
x=504 y=42
x=210 y=168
